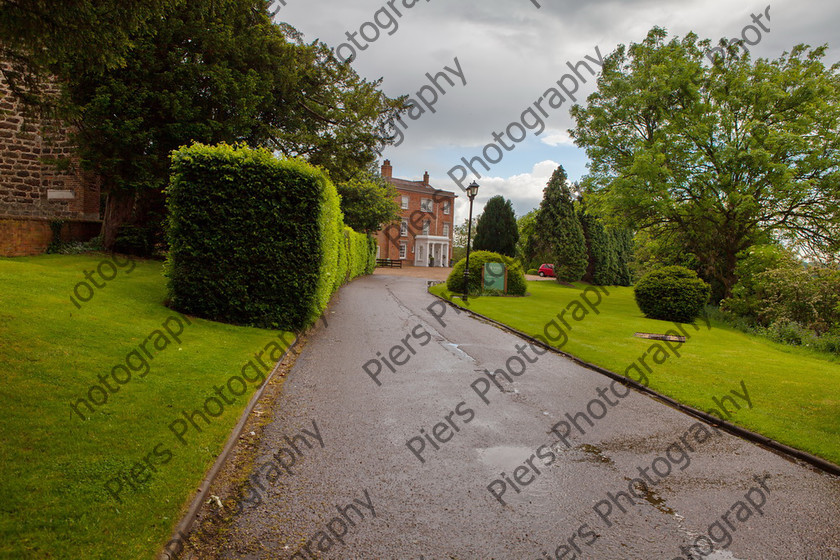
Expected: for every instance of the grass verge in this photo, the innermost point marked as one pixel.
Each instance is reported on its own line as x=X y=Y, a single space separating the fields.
x=54 y=465
x=793 y=390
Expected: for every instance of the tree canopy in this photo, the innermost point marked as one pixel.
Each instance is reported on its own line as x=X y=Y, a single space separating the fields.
x=496 y=228
x=219 y=71
x=39 y=38
x=368 y=202
x=714 y=156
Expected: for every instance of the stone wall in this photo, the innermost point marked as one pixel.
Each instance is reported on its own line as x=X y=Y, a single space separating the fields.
x=40 y=180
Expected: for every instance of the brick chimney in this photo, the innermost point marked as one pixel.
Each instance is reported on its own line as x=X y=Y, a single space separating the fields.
x=426 y=178
x=387 y=170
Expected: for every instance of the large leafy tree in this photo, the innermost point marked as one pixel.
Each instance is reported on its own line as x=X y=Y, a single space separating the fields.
x=496 y=229
x=368 y=202
x=559 y=228
x=715 y=156
x=219 y=70
x=41 y=38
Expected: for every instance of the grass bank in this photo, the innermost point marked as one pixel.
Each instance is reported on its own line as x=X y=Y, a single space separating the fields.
x=794 y=391
x=54 y=465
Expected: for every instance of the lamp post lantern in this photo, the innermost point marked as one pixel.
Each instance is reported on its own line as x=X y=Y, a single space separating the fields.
x=472 y=191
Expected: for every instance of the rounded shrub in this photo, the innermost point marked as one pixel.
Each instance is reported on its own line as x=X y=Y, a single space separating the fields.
x=515 y=279
x=533 y=271
x=672 y=293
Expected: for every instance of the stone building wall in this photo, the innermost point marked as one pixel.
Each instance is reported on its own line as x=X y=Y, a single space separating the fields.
x=34 y=189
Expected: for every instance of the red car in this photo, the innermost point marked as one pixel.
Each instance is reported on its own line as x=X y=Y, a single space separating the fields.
x=546 y=270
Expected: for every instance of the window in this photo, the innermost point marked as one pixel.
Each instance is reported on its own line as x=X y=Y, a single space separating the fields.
x=426 y=205
x=446 y=230
x=402 y=250
x=426 y=224
x=404 y=228
x=405 y=203
x=446 y=206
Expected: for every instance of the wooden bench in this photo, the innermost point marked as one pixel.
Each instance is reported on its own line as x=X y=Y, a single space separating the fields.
x=389 y=263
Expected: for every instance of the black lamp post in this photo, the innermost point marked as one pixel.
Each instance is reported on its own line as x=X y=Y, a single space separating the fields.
x=472 y=191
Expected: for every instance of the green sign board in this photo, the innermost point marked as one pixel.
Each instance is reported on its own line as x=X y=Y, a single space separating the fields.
x=495 y=277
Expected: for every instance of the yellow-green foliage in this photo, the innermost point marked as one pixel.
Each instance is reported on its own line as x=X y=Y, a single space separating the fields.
x=361 y=253
x=334 y=260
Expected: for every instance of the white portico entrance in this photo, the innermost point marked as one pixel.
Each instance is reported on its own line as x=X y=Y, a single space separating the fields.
x=431 y=250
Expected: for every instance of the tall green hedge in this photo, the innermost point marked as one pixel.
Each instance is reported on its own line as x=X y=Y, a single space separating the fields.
x=361 y=252
x=254 y=240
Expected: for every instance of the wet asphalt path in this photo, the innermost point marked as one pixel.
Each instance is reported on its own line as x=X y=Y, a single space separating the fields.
x=441 y=508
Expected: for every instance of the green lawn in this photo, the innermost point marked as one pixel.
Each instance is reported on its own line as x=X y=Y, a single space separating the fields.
x=795 y=392
x=53 y=465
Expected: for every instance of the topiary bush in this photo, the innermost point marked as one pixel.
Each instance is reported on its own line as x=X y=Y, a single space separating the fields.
x=255 y=240
x=515 y=279
x=672 y=293
x=533 y=271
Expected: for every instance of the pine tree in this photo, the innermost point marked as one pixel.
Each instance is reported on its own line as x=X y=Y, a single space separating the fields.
x=597 y=248
x=558 y=223
x=496 y=229
x=623 y=240
x=610 y=250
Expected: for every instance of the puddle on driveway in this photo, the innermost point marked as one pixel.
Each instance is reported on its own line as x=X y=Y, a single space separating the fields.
x=506 y=458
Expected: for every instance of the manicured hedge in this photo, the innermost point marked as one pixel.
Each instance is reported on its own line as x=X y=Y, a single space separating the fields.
x=254 y=240
x=672 y=293
x=515 y=279
x=361 y=251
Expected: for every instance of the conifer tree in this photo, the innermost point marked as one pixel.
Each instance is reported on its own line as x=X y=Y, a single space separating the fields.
x=496 y=229
x=558 y=224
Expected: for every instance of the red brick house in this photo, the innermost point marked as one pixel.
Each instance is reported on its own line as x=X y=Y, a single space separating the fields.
x=34 y=191
x=424 y=236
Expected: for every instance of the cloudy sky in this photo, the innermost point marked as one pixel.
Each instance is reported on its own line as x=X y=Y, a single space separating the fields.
x=509 y=53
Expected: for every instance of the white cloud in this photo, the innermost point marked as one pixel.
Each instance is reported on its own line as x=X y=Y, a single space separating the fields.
x=524 y=190
x=510 y=52
x=558 y=138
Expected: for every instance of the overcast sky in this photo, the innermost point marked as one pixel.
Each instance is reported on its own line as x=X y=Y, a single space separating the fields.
x=509 y=53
